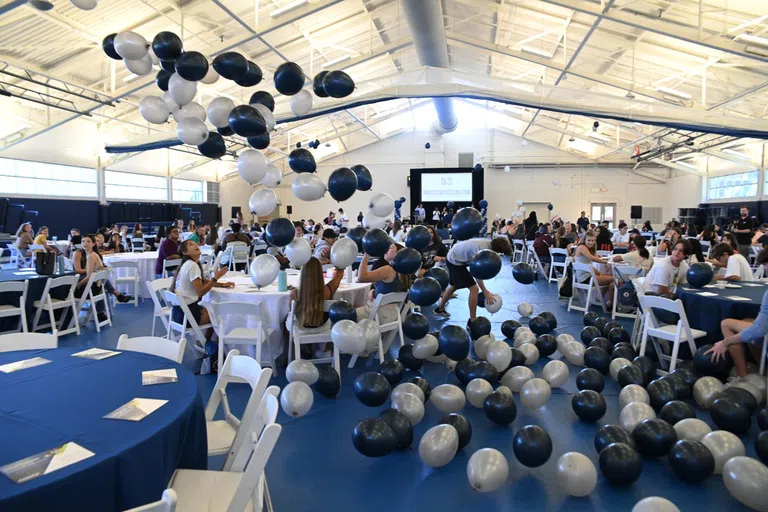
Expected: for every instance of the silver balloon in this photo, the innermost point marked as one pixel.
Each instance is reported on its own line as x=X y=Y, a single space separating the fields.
x=487 y=470
x=191 y=109
x=747 y=479
x=264 y=269
x=302 y=371
x=85 y=5
x=759 y=382
x=371 y=333
x=498 y=302
x=616 y=365
x=481 y=346
x=140 y=67
x=441 y=359
x=450 y=364
x=633 y=393
x=181 y=91
x=724 y=446
x=751 y=388
x=166 y=97
x=448 y=398
x=706 y=390
x=154 y=110
x=273 y=177
x=296 y=399
x=555 y=373
x=524 y=338
x=576 y=474
x=574 y=353
x=425 y=347
x=438 y=445
x=343 y=253
x=192 y=131
x=525 y=309
x=516 y=377
x=298 y=251
x=252 y=166
x=301 y=103
x=370 y=221
x=263 y=202
x=218 y=111
x=535 y=393
x=505 y=390
x=631 y=415
x=130 y=45
x=477 y=391
x=531 y=353
x=691 y=428
x=308 y=187
x=521 y=331
x=381 y=205
x=499 y=355
x=211 y=77
x=410 y=405
x=655 y=504
x=269 y=118
x=348 y=337
x=407 y=387
x=563 y=340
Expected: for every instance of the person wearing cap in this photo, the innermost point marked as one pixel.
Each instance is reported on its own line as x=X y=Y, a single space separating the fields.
x=323 y=247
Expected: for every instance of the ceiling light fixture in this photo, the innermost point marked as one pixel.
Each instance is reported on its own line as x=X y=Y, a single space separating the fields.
x=750 y=39
x=40 y=5
x=674 y=92
x=288 y=8
x=536 y=51
x=333 y=62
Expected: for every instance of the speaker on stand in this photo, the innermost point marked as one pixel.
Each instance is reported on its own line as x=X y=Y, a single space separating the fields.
x=636 y=213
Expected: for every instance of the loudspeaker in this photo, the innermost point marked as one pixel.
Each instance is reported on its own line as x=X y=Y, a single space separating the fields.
x=289 y=209
x=636 y=212
x=235 y=211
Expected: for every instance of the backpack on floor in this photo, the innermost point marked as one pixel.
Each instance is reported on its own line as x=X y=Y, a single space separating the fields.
x=566 y=289
x=628 y=294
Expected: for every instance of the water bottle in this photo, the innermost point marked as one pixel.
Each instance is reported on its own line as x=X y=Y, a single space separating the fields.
x=282 y=281
x=60 y=261
x=350 y=274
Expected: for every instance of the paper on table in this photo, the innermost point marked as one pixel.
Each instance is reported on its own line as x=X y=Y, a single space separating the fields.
x=23 y=365
x=710 y=286
x=45 y=462
x=26 y=273
x=159 y=377
x=707 y=294
x=136 y=410
x=751 y=284
x=732 y=286
x=96 y=353
x=736 y=297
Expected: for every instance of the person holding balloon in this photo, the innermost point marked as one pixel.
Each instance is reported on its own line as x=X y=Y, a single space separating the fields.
x=385 y=280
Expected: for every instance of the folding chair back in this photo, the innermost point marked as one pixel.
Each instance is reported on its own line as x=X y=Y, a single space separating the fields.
x=9 y=310
x=28 y=341
x=262 y=449
x=188 y=326
x=51 y=305
x=96 y=292
x=583 y=286
x=170 y=267
x=519 y=253
x=161 y=310
x=137 y=245
x=130 y=276
x=298 y=337
x=676 y=333
x=166 y=504
x=161 y=347
x=266 y=414
x=395 y=327
x=562 y=254
x=240 y=253
x=622 y=274
x=759 y=272
x=257 y=335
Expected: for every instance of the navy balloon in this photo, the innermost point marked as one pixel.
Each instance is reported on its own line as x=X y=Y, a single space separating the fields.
x=376 y=243
x=450 y=205
x=263 y=98
x=312 y=144
x=523 y=273
x=231 y=65
x=328 y=383
x=486 y=264
x=214 y=147
x=317 y=85
x=454 y=342
x=342 y=310
x=479 y=327
x=402 y=199
x=478 y=167
x=418 y=238
x=425 y=291
x=364 y=178
x=280 y=232
x=191 y=66
x=415 y=325
x=162 y=79
x=483 y=203
x=301 y=160
x=356 y=235
x=372 y=389
x=259 y=141
x=168 y=65
x=374 y=437
x=226 y=131
x=338 y=84
x=699 y=275
x=427 y=145
x=407 y=261
x=440 y=275
x=550 y=207
x=466 y=224
x=108 y=45
x=342 y=183
x=289 y=78
x=246 y=121
x=167 y=46
x=252 y=77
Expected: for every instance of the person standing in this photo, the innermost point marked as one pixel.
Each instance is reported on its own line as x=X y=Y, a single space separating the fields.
x=343 y=220
x=360 y=218
x=436 y=215
x=743 y=228
x=583 y=222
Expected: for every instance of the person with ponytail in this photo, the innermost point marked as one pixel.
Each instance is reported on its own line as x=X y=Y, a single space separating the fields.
x=638 y=257
x=385 y=280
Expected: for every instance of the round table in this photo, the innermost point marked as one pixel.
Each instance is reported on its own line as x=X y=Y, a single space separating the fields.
x=47 y=406
x=146 y=261
x=276 y=304
x=706 y=312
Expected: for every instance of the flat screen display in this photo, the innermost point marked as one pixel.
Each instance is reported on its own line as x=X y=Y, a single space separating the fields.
x=440 y=187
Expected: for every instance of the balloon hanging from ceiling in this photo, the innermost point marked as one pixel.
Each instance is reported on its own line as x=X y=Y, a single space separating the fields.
x=246 y=121
x=231 y=65
x=162 y=79
x=167 y=46
x=192 y=66
x=218 y=111
x=130 y=45
x=289 y=78
x=252 y=77
x=301 y=103
x=263 y=98
x=252 y=166
x=300 y=160
x=317 y=85
x=154 y=110
x=214 y=147
x=259 y=141
x=342 y=183
x=308 y=187
x=338 y=84
x=364 y=178
x=108 y=45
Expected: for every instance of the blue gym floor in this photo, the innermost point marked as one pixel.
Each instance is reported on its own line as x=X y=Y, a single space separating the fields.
x=315 y=467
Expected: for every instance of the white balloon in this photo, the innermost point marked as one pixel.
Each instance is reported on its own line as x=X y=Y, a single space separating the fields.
x=151 y=52
x=746 y=479
x=523 y=331
x=516 y=377
x=487 y=470
x=556 y=373
x=210 y=77
x=616 y=365
x=412 y=406
x=130 y=45
x=252 y=166
x=269 y=117
x=264 y=269
x=298 y=251
x=296 y=399
x=371 y=221
x=438 y=445
x=506 y=168
x=576 y=474
x=348 y=337
x=724 y=446
x=562 y=341
x=499 y=355
x=477 y=391
x=524 y=309
x=691 y=428
x=263 y=202
x=192 y=131
x=218 y=111
x=448 y=398
x=371 y=332
x=166 y=97
x=381 y=205
x=191 y=109
x=301 y=103
x=85 y=5
x=343 y=253
x=302 y=371
x=181 y=91
x=535 y=393
x=154 y=110
x=633 y=393
x=481 y=345
x=496 y=306
x=141 y=67
x=308 y=187
x=574 y=353
x=655 y=504
x=273 y=177
x=634 y=413
x=531 y=353
x=425 y=347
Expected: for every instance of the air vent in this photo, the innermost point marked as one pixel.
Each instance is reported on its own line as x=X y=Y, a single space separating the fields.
x=213 y=192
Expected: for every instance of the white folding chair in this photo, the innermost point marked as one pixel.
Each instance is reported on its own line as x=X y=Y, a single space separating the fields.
x=519 y=255
x=228 y=435
x=622 y=274
x=554 y=275
x=222 y=312
x=161 y=347
x=394 y=327
x=161 y=311
x=51 y=305
x=266 y=414
x=604 y=254
x=637 y=327
x=534 y=260
x=131 y=276
x=239 y=253
x=90 y=296
x=591 y=286
x=762 y=357
x=189 y=327
x=28 y=341
x=205 y=491
x=753 y=252
x=298 y=337
x=166 y=504
x=681 y=332
x=18 y=260
x=9 y=310
x=36 y=247
x=170 y=267
x=705 y=248
x=759 y=273
x=137 y=245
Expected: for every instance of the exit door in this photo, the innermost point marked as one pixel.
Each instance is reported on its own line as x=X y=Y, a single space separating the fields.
x=602 y=212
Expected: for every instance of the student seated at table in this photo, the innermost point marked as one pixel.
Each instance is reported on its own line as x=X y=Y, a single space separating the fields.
x=24 y=238
x=168 y=250
x=542 y=243
x=730 y=239
x=235 y=236
x=385 y=280
x=736 y=266
x=709 y=235
x=761 y=236
x=621 y=239
x=317 y=236
x=667 y=273
x=638 y=256
x=198 y=236
x=647 y=226
x=434 y=253
x=587 y=254
x=603 y=240
x=697 y=252
x=670 y=238
x=279 y=255
x=212 y=238
x=87 y=261
x=323 y=247
x=42 y=239
x=115 y=245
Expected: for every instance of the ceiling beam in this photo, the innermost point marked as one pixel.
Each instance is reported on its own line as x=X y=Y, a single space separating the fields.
x=250 y=29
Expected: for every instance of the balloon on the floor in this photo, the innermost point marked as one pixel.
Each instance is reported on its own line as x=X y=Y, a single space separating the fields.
x=588 y=405
x=400 y=425
x=298 y=251
x=619 y=335
x=264 y=269
x=691 y=461
x=448 y=398
x=338 y=84
x=761 y=446
x=499 y=407
x=348 y=337
x=481 y=346
x=523 y=273
x=410 y=405
x=731 y=415
x=373 y=437
x=423 y=384
x=724 y=446
x=589 y=378
x=691 y=428
x=676 y=411
x=289 y=78
x=631 y=415
x=555 y=373
x=499 y=354
x=484 y=370
x=407 y=388
x=655 y=504
x=328 y=381
x=439 y=445
x=623 y=351
x=476 y=392
x=704 y=365
x=463 y=368
x=654 y=437
x=372 y=335
x=524 y=309
x=461 y=424
x=616 y=366
x=405 y=356
x=576 y=474
x=610 y=434
x=741 y=396
x=407 y=261
x=589 y=318
x=453 y=342
x=620 y=464
x=300 y=370
x=530 y=352
x=660 y=392
x=746 y=479
x=296 y=399
x=425 y=347
x=706 y=391
x=601 y=343
x=392 y=370
x=372 y=389
x=466 y=224
x=415 y=325
x=648 y=367
x=562 y=341
x=509 y=327
x=538 y=325
x=486 y=264
x=574 y=353
x=550 y=318
x=532 y=446
x=633 y=393
x=479 y=326
x=524 y=335
x=535 y=393
x=589 y=333
x=487 y=470
x=631 y=374
x=376 y=243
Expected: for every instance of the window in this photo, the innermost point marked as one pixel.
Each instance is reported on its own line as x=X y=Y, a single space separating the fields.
x=188 y=191
x=734 y=185
x=21 y=177
x=125 y=185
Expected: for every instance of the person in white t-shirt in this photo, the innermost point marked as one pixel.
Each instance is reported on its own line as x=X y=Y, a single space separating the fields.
x=621 y=239
x=666 y=274
x=343 y=221
x=736 y=266
x=639 y=257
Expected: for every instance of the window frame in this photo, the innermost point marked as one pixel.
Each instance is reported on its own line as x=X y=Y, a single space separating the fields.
x=137 y=176
x=756 y=184
x=203 y=191
x=35 y=195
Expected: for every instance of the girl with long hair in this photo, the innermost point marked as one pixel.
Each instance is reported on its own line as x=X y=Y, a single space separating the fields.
x=115 y=245
x=697 y=255
x=24 y=238
x=87 y=261
x=386 y=280
x=586 y=254
x=638 y=257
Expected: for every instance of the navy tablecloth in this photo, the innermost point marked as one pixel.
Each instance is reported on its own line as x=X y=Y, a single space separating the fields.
x=46 y=406
x=706 y=313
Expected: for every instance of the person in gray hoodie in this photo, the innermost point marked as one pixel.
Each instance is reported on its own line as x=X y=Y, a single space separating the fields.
x=323 y=247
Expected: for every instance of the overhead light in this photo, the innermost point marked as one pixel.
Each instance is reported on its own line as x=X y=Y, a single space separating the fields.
x=599 y=137
x=735 y=153
x=750 y=39
x=674 y=92
x=40 y=5
x=629 y=95
x=690 y=166
x=571 y=139
x=288 y=8
x=536 y=51
x=333 y=62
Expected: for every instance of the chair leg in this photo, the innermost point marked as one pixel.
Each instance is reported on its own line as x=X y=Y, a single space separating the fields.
x=154 y=321
x=353 y=359
x=259 y=343
x=644 y=338
x=673 y=359
x=271 y=353
x=337 y=360
x=762 y=357
x=221 y=353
